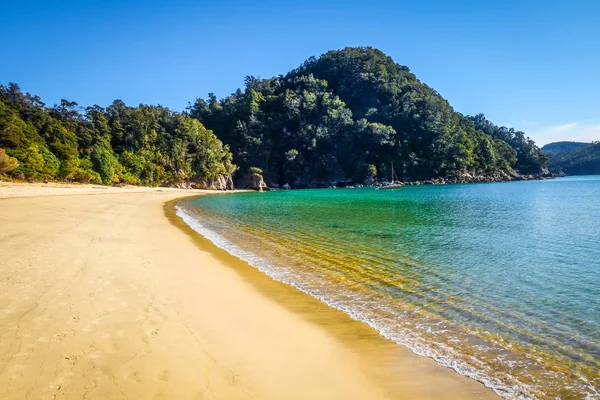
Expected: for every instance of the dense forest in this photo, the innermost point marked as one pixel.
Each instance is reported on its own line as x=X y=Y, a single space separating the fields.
x=574 y=158
x=345 y=116
x=148 y=145
x=348 y=115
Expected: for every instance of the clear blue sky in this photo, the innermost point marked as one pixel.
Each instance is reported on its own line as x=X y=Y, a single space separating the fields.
x=533 y=65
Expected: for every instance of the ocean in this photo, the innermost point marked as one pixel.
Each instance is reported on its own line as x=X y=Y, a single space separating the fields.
x=498 y=281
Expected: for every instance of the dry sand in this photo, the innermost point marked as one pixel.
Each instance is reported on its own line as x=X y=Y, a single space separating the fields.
x=103 y=297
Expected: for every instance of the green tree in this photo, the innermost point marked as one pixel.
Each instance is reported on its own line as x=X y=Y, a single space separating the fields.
x=104 y=163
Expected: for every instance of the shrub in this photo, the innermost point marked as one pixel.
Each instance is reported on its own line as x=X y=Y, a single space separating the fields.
x=104 y=163
x=7 y=163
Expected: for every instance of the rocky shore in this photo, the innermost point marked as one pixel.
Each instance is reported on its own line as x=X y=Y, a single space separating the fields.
x=448 y=180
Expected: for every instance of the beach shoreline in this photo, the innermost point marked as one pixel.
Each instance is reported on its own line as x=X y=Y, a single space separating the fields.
x=104 y=297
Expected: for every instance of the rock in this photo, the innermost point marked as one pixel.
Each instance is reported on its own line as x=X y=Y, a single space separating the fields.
x=286 y=186
x=369 y=181
x=253 y=180
x=223 y=182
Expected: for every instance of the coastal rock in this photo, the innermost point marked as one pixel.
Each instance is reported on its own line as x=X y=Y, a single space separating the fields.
x=229 y=183
x=223 y=182
x=253 y=180
x=286 y=186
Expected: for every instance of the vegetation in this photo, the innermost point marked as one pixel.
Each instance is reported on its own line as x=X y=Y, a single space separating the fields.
x=561 y=147
x=7 y=163
x=574 y=158
x=148 y=145
x=347 y=115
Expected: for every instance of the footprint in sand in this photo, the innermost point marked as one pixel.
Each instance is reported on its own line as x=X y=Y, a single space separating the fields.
x=165 y=376
x=71 y=360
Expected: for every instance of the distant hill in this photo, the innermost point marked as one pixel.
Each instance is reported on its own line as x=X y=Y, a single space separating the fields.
x=561 y=147
x=574 y=158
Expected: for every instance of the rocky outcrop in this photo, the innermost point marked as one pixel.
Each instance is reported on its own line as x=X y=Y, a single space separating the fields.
x=253 y=180
x=223 y=182
x=465 y=177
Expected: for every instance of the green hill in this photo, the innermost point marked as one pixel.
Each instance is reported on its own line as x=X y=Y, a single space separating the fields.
x=561 y=147
x=574 y=158
x=347 y=115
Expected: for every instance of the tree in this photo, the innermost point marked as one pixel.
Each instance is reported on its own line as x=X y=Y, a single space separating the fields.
x=104 y=163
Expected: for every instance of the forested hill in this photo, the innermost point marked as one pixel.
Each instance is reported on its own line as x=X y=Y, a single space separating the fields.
x=574 y=158
x=347 y=115
x=561 y=147
x=148 y=145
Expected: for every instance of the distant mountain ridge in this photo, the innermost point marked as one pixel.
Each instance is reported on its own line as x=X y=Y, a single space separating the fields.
x=561 y=147
x=573 y=158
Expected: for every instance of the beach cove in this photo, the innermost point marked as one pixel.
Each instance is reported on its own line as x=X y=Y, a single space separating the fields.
x=105 y=297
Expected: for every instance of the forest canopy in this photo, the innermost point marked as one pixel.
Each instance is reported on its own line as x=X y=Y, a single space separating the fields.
x=348 y=115
x=344 y=116
x=574 y=158
x=148 y=145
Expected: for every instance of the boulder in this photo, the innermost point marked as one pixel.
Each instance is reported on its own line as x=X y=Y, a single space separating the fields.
x=229 y=183
x=286 y=186
x=253 y=180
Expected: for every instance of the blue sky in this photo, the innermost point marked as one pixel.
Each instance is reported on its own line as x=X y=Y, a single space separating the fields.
x=533 y=65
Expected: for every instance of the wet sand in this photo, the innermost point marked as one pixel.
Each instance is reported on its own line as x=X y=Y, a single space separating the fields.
x=102 y=296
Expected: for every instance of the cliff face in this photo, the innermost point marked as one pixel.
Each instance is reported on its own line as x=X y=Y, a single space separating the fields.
x=223 y=182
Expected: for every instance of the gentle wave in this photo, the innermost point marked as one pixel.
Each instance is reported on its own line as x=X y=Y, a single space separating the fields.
x=442 y=354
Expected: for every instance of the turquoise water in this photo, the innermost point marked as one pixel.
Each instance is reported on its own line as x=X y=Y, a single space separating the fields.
x=498 y=281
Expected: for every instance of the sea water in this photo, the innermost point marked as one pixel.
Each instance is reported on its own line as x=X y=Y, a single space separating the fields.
x=498 y=281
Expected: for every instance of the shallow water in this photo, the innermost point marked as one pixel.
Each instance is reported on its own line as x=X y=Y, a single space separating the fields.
x=499 y=281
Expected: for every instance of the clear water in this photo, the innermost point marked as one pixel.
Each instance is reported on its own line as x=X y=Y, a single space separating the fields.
x=498 y=281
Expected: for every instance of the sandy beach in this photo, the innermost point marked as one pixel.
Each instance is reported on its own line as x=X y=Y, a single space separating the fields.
x=105 y=294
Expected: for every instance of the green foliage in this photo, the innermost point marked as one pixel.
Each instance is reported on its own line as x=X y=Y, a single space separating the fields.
x=561 y=147
x=104 y=163
x=148 y=145
x=353 y=107
x=345 y=115
x=364 y=171
x=7 y=163
x=574 y=158
x=529 y=158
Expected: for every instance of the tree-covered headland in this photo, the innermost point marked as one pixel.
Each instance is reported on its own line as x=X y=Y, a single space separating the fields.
x=574 y=158
x=149 y=145
x=345 y=116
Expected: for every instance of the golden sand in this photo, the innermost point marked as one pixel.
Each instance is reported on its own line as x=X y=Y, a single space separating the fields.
x=102 y=297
